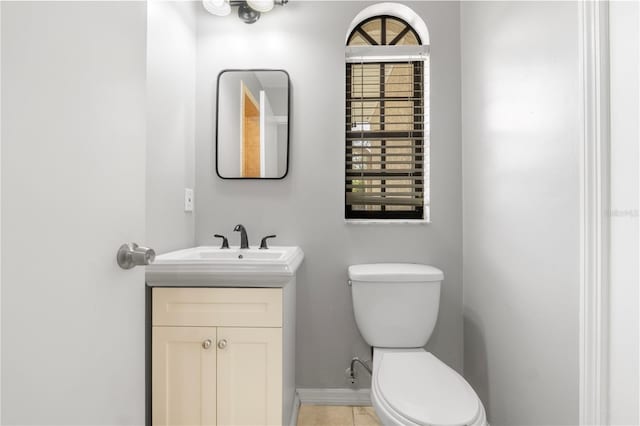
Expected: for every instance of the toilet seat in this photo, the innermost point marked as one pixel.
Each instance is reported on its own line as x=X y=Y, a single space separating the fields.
x=413 y=387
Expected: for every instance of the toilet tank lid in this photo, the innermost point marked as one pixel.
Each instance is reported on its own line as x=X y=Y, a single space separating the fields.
x=394 y=272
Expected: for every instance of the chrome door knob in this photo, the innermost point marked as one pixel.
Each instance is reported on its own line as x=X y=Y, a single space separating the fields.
x=222 y=344
x=131 y=254
x=206 y=344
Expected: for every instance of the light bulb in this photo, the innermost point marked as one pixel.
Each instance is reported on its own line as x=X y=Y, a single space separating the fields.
x=261 y=5
x=217 y=7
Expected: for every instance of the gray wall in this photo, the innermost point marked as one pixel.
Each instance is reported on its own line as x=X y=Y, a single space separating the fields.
x=307 y=208
x=73 y=142
x=521 y=135
x=171 y=74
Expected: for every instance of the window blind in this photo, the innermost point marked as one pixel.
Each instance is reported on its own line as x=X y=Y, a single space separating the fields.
x=385 y=140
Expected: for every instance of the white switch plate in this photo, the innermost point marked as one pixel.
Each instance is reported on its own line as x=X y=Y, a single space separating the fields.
x=188 y=200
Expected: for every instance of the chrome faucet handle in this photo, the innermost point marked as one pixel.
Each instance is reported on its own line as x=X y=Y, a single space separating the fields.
x=263 y=243
x=225 y=242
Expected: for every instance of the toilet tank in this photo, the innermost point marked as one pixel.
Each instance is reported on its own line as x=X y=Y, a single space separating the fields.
x=395 y=304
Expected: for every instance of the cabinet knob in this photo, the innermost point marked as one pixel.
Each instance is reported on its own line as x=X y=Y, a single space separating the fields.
x=206 y=344
x=222 y=344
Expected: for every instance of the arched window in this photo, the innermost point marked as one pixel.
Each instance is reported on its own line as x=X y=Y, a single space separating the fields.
x=383 y=31
x=387 y=125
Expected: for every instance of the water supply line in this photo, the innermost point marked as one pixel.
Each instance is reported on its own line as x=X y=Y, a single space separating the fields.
x=351 y=371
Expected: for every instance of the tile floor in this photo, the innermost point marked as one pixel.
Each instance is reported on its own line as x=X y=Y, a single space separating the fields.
x=322 y=415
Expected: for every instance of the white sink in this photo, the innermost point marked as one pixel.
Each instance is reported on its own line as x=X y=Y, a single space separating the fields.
x=253 y=254
x=213 y=266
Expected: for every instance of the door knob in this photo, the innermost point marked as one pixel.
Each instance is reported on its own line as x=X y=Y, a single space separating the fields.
x=131 y=254
x=206 y=344
x=222 y=344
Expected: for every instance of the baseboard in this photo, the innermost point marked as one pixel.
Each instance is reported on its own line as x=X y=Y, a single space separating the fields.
x=294 y=412
x=335 y=396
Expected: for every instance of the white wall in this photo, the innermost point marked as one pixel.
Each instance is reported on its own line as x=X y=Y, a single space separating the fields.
x=269 y=140
x=521 y=136
x=0 y=212
x=624 y=396
x=171 y=62
x=307 y=207
x=73 y=137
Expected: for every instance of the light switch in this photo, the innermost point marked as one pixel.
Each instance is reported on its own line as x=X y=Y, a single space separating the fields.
x=188 y=200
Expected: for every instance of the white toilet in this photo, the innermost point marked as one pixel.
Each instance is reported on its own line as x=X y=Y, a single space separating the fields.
x=396 y=308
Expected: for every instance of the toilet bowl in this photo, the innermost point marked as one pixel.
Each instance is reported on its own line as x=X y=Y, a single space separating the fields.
x=396 y=307
x=413 y=387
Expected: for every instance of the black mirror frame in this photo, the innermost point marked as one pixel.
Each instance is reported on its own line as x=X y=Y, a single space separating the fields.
x=286 y=172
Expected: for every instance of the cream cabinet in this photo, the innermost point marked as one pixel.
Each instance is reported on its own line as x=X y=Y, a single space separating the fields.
x=184 y=376
x=217 y=356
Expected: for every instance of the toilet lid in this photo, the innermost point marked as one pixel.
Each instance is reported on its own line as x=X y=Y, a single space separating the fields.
x=425 y=390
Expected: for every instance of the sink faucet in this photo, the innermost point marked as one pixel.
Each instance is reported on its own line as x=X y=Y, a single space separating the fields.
x=244 y=241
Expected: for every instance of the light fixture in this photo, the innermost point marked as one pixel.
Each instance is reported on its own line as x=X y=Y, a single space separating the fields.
x=249 y=11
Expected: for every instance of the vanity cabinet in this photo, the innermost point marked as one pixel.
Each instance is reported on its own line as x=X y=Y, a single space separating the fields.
x=184 y=379
x=217 y=356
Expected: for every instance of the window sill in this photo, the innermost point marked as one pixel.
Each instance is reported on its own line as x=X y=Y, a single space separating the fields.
x=387 y=221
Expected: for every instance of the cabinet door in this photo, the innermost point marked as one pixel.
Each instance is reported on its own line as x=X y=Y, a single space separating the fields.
x=183 y=376
x=249 y=376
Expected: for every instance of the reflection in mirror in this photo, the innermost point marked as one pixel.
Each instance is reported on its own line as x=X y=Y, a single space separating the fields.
x=252 y=135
